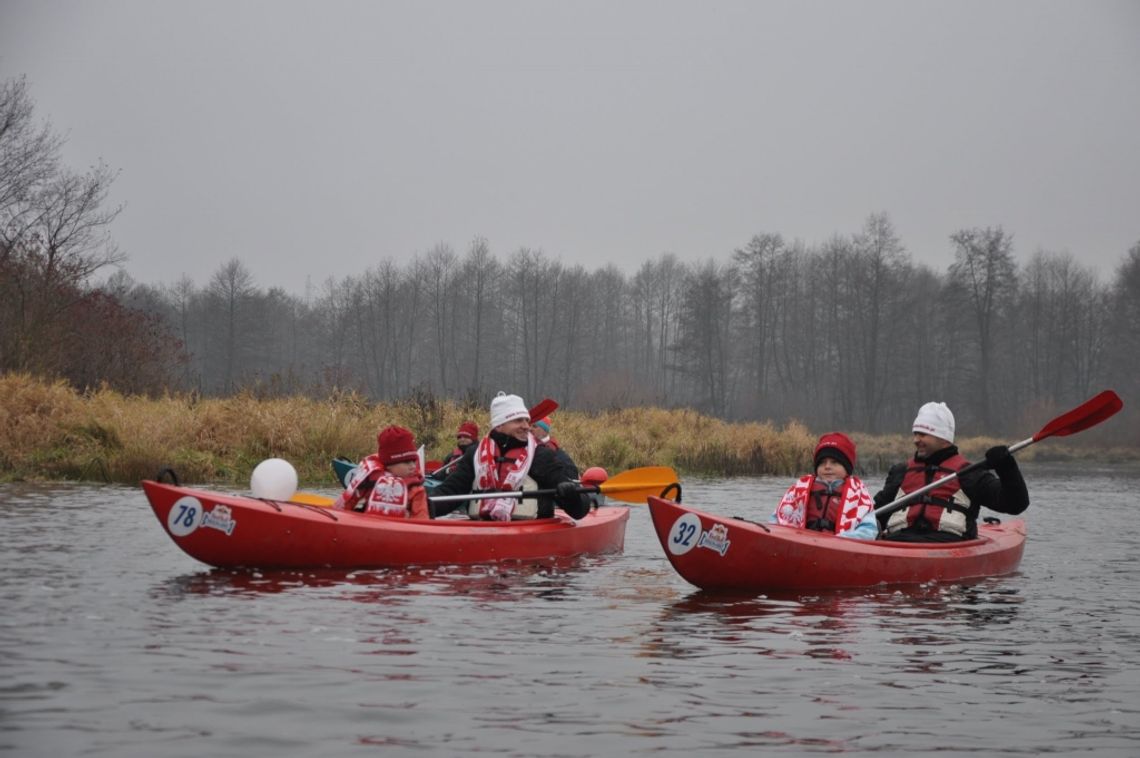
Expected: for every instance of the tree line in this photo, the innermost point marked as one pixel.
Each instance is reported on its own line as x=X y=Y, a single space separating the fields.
x=848 y=333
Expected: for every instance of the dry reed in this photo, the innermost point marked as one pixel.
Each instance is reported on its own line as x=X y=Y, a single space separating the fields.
x=49 y=431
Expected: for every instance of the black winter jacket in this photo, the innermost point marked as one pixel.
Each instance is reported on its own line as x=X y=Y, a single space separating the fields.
x=1004 y=493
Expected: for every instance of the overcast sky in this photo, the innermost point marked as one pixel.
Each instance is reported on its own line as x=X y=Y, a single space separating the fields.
x=315 y=139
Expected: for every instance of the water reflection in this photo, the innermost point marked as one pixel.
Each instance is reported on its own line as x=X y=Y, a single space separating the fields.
x=504 y=581
x=827 y=624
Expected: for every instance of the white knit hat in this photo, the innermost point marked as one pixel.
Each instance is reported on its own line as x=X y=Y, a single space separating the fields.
x=506 y=408
x=936 y=420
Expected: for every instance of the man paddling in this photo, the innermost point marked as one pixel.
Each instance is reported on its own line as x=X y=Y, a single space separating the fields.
x=949 y=512
x=510 y=458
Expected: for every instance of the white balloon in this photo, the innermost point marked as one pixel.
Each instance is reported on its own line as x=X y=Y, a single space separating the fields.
x=274 y=479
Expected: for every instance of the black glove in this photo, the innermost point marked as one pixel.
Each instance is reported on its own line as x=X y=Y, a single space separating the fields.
x=567 y=493
x=997 y=457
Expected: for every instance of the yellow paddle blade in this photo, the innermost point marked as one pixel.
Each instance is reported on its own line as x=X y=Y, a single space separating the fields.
x=311 y=498
x=638 y=484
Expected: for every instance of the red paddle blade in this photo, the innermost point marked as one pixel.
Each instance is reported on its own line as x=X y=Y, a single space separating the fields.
x=1089 y=413
x=544 y=408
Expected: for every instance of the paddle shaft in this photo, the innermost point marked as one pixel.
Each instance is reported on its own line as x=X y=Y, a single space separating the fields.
x=509 y=493
x=632 y=486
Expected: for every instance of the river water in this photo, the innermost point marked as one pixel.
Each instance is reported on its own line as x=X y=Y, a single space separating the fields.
x=115 y=643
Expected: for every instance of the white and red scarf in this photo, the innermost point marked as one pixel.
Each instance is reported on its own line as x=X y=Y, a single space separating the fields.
x=384 y=492
x=493 y=476
x=855 y=504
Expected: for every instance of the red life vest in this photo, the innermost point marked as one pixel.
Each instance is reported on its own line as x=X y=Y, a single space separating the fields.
x=937 y=510
x=822 y=508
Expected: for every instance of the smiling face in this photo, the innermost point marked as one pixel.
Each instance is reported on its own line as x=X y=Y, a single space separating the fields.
x=518 y=428
x=926 y=445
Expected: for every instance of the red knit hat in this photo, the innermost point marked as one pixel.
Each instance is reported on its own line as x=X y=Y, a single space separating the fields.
x=469 y=429
x=396 y=444
x=838 y=446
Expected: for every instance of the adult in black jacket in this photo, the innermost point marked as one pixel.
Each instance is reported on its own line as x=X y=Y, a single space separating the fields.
x=943 y=515
x=510 y=458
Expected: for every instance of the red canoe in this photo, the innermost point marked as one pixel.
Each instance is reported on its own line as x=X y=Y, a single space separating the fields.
x=232 y=530
x=723 y=553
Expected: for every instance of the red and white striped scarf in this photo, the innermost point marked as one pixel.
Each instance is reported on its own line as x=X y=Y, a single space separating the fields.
x=856 y=503
x=490 y=476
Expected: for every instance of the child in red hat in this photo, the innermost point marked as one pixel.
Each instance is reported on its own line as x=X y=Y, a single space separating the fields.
x=832 y=499
x=390 y=481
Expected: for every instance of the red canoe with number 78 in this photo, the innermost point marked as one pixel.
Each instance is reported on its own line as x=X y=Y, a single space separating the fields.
x=234 y=530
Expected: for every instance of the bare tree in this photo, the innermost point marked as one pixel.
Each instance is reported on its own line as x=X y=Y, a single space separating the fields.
x=876 y=272
x=480 y=270
x=1123 y=370
x=230 y=293
x=440 y=269
x=985 y=271
x=704 y=344
x=53 y=235
x=758 y=282
x=29 y=153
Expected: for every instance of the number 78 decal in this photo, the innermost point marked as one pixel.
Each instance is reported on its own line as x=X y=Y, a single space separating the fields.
x=185 y=516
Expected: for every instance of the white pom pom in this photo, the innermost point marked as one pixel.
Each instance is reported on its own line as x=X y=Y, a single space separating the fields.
x=274 y=479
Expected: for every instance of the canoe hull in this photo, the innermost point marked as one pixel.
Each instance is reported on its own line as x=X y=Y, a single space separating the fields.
x=231 y=530
x=722 y=553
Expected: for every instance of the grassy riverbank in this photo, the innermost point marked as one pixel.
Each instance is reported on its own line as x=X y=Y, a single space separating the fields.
x=50 y=432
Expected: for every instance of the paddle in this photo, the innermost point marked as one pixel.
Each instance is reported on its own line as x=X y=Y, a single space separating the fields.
x=545 y=407
x=310 y=498
x=633 y=486
x=1087 y=414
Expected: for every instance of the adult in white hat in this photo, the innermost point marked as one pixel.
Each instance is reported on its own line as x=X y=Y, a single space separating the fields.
x=949 y=512
x=510 y=458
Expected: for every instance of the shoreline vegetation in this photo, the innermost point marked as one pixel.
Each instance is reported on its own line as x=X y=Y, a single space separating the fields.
x=51 y=432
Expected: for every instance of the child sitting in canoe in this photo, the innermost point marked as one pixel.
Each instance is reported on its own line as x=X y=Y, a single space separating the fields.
x=389 y=481
x=832 y=499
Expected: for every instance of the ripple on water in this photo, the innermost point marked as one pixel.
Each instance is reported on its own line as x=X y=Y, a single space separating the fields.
x=112 y=642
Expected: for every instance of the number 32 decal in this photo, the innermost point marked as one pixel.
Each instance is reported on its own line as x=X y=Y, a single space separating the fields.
x=685 y=533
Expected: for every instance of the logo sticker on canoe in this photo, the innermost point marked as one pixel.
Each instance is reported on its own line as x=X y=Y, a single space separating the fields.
x=221 y=518
x=684 y=534
x=185 y=516
x=715 y=539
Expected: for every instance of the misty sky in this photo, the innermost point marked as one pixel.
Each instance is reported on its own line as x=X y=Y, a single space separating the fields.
x=315 y=139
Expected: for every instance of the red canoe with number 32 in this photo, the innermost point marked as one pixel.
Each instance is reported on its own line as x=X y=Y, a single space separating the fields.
x=233 y=530
x=719 y=553
x=724 y=553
